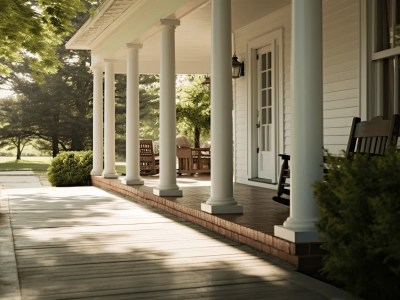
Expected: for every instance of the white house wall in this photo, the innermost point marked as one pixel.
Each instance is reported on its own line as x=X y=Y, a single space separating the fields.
x=341 y=46
x=341 y=71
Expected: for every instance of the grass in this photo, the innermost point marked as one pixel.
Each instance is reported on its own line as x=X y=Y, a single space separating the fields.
x=121 y=169
x=35 y=164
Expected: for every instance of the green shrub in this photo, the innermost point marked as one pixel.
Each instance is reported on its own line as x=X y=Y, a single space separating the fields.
x=71 y=168
x=360 y=221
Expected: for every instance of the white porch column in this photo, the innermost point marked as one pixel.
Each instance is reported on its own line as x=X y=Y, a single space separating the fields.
x=221 y=200
x=109 y=121
x=167 y=185
x=97 y=121
x=132 y=118
x=306 y=121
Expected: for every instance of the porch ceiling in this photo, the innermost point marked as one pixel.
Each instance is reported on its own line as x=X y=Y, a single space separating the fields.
x=118 y=22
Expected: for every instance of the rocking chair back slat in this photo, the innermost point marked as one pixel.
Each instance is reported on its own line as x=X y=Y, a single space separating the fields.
x=372 y=137
x=148 y=163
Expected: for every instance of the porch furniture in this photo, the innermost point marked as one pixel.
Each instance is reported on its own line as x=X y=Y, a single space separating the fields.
x=372 y=137
x=149 y=163
x=193 y=160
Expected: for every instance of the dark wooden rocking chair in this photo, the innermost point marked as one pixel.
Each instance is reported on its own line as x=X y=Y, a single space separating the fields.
x=149 y=164
x=372 y=137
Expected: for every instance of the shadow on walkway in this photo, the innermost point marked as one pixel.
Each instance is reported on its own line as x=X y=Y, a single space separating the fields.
x=83 y=242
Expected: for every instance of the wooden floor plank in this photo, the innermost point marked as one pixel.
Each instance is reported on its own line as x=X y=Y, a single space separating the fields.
x=100 y=246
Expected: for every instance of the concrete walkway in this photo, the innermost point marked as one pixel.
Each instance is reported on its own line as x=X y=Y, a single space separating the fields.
x=85 y=243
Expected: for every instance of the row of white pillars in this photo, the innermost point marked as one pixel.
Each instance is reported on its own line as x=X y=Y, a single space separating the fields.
x=221 y=200
x=307 y=138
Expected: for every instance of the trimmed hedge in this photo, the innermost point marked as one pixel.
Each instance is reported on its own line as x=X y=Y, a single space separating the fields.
x=71 y=168
x=360 y=221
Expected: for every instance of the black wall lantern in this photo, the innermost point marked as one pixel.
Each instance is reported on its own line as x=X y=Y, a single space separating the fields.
x=237 y=67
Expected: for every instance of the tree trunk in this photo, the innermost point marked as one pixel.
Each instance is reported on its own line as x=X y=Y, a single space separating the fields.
x=19 y=151
x=54 y=137
x=197 y=132
x=54 y=145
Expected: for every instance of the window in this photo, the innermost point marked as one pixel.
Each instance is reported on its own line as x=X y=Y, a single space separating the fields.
x=385 y=19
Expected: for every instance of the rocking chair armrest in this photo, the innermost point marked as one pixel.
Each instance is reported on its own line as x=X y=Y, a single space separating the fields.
x=284 y=156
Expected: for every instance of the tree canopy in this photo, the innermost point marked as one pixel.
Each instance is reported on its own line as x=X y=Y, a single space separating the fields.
x=193 y=109
x=54 y=84
x=34 y=29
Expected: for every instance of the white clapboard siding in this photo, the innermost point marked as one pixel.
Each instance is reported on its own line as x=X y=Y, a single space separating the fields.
x=340 y=75
x=344 y=94
x=341 y=71
x=341 y=103
x=341 y=90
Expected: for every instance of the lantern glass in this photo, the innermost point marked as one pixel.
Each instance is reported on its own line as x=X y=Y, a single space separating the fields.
x=237 y=67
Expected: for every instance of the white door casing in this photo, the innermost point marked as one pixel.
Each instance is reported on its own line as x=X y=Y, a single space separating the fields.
x=266 y=119
x=259 y=169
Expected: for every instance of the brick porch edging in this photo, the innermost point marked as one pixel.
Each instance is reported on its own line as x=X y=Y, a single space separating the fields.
x=306 y=257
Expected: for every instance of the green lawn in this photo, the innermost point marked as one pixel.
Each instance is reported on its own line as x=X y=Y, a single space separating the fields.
x=35 y=164
x=121 y=169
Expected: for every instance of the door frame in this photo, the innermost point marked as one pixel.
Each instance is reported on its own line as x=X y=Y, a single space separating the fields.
x=275 y=38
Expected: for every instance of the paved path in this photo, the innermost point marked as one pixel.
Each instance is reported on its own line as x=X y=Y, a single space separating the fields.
x=85 y=243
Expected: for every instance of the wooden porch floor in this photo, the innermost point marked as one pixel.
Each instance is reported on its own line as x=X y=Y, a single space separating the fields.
x=85 y=243
x=260 y=212
x=254 y=227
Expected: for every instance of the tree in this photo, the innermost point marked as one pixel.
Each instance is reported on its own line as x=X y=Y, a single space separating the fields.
x=14 y=128
x=59 y=107
x=193 y=110
x=34 y=29
x=59 y=101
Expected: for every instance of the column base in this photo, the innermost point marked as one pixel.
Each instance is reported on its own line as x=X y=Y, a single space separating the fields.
x=168 y=193
x=222 y=209
x=131 y=181
x=297 y=235
x=96 y=172
x=110 y=175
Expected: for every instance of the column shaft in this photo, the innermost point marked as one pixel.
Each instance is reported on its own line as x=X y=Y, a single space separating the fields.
x=221 y=200
x=109 y=122
x=306 y=121
x=97 y=121
x=132 y=117
x=167 y=185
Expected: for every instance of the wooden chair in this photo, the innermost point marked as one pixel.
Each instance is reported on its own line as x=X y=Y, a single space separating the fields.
x=149 y=164
x=372 y=137
x=201 y=160
x=193 y=160
x=185 y=160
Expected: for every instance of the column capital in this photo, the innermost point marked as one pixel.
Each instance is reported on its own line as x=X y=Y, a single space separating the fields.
x=170 y=22
x=134 y=46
